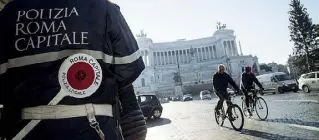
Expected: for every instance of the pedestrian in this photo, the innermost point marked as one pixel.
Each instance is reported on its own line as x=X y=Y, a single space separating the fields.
x=66 y=72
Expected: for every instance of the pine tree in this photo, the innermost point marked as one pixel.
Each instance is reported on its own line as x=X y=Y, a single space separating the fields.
x=317 y=36
x=302 y=31
x=255 y=69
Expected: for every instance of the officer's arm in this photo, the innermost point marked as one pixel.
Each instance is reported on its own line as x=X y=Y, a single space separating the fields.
x=257 y=81
x=232 y=82
x=127 y=67
x=132 y=120
x=128 y=63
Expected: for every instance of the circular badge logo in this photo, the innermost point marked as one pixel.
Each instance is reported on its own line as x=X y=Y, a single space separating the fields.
x=80 y=75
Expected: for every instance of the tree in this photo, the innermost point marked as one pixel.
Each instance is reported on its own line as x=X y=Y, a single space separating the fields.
x=315 y=57
x=317 y=32
x=317 y=29
x=302 y=31
x=282 y=68
x=265 y=67
x=255 y=68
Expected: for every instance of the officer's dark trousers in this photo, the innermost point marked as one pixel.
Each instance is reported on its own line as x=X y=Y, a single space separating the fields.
x=222 y=95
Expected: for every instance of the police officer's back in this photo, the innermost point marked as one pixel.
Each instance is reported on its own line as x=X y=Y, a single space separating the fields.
x=37 y=38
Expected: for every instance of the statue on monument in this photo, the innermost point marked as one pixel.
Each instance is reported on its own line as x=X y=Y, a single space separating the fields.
x=192 y=51
x=176 y=77
x=141 y=34
x=219 y=26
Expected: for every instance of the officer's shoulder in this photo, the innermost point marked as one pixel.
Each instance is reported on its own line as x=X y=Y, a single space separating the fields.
x=112 y=4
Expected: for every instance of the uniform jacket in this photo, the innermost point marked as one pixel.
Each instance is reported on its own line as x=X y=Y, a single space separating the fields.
x=36 y=36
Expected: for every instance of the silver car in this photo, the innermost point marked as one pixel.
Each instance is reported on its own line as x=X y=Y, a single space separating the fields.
x=205 y=95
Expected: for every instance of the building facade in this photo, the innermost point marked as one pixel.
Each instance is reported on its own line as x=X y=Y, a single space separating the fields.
x=195 y=60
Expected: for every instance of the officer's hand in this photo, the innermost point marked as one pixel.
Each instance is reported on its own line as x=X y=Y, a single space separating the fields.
x=262 y=89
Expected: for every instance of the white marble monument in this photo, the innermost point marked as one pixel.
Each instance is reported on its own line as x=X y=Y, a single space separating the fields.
x=197 y=59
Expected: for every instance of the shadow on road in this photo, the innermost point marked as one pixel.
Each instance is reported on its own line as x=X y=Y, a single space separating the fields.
x=266 y=135
x=157 y=122
x=294 y=121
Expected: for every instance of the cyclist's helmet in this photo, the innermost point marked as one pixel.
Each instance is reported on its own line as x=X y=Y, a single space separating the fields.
x=247 y=69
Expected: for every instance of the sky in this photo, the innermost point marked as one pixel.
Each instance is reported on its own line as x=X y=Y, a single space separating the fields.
x=260 y=25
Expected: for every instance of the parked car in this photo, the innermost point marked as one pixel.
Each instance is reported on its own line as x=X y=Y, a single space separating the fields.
x=277 y=82
x=309 y=81
x=176 y=98
x=187 y=97
x=150 y=106
x=205 y=95
x=230 y=91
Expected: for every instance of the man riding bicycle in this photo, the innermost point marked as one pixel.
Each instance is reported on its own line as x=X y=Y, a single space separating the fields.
x=221 y=79
x=247 y=80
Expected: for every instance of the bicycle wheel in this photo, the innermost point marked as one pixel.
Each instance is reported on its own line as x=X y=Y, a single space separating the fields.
x=261 y=105
x=219 y=118
x=237 y=115
x=244 y=107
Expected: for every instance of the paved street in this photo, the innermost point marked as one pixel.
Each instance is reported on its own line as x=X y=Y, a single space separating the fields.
x=291 y=116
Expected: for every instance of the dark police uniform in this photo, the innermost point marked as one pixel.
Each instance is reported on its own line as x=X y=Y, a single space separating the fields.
x=36 y=36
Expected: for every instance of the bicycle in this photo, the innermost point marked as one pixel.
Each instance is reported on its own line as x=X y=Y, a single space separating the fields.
x=235 y=115
x=255 y=104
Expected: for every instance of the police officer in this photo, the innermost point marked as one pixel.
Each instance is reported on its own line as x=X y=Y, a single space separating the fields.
x=221 y=79
x=247 y=84
x=66 y=72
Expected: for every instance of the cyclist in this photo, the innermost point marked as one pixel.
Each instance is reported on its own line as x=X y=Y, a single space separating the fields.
x=247 y=84
x=221 y=79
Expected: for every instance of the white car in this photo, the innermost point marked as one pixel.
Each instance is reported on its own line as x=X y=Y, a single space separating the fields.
x=205 y=95
x=309 y=81
x=187 y=97
x=230 y=91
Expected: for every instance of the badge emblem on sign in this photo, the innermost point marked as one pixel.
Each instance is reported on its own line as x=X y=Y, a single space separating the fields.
x=80 y=75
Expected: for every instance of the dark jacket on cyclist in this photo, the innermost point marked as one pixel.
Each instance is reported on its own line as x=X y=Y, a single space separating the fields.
x=221 y=81
x=248 y=80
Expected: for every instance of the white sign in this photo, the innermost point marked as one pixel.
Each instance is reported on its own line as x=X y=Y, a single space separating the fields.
x=80 y=75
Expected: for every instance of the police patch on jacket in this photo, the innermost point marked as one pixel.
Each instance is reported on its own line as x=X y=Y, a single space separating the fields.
x=80 y=75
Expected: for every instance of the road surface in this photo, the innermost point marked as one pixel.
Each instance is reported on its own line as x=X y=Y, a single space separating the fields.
x=291 y=116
